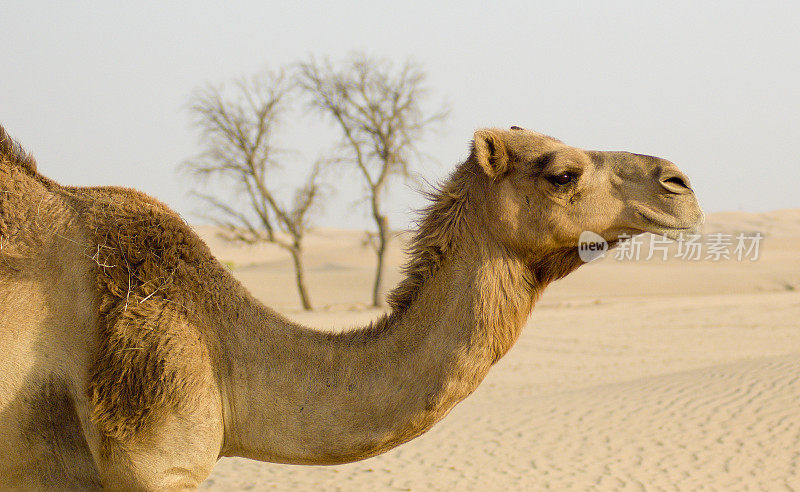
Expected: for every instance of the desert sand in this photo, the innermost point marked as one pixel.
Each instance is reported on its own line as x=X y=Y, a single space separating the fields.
x=653 y=374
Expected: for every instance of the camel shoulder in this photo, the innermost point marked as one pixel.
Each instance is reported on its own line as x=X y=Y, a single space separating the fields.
x=154 y=278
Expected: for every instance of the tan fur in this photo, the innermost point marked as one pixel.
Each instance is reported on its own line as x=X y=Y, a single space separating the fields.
x=160 y=362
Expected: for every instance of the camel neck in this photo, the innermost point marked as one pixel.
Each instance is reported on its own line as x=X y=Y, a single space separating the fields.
x=301 y=396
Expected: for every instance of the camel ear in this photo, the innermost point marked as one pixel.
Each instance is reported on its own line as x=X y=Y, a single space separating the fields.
x=490 y=151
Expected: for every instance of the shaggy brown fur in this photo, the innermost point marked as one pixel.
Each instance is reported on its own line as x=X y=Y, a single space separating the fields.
x=147 y=258
x=150 y=265
x=441 y=224
x=13 y=153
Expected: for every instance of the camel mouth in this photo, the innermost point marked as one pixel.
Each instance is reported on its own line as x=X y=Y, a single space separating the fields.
x=668 y=225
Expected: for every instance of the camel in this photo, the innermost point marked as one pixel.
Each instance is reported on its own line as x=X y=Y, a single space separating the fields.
x=134 y=360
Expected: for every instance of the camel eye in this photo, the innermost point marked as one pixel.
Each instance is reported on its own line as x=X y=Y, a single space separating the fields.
x=562 y=179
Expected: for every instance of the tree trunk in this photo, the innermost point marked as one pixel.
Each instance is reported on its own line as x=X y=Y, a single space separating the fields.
x=297 y=257
x=383 y=240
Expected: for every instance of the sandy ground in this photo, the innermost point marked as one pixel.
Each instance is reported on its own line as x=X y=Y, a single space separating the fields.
x=631 y=375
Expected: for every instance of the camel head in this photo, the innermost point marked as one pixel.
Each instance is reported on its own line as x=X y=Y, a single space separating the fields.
x=541 y=194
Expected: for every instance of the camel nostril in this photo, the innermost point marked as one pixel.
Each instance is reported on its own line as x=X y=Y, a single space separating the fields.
x=675 y=184
x=677 y=181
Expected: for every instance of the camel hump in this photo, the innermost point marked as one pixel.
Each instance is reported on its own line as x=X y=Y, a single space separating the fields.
x=12 y=152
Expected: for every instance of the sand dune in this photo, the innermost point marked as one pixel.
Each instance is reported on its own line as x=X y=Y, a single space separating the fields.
x=671 y=375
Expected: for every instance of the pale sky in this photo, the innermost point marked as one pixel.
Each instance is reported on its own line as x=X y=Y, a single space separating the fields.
x=98 y=90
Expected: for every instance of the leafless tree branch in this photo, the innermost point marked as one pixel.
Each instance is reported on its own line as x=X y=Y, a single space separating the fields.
x=378 y=110
x=237 y=126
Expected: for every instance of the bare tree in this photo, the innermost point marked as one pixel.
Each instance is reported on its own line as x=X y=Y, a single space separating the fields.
x=378 y=110
x=237 y=129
